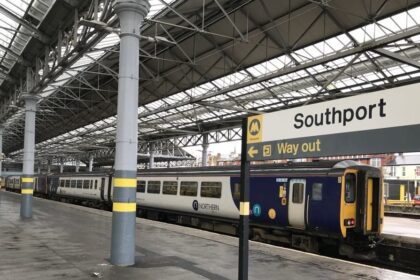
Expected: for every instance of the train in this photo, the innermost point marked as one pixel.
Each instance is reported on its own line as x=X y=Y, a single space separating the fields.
x=305 y=205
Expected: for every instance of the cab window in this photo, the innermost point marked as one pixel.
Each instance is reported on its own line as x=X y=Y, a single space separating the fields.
x=350 y=188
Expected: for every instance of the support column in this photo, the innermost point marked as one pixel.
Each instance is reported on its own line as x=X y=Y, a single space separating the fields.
x=205 y=147
x=131 y=14
x=61 y=166
x=28 y=158
x=77 y=166
x=48 y=166
x=39 y=168
x=1 y=149
x=90 y=163
x=152 y=155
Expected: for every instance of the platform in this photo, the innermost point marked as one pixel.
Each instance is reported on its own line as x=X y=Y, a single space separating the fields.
x=66 y=241
x=402 y=227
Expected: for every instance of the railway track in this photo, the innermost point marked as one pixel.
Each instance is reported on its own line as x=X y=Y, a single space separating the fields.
x=402 y=214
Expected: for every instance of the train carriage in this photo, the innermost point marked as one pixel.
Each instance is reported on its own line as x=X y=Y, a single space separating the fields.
x=340 y=201
x=305 y=204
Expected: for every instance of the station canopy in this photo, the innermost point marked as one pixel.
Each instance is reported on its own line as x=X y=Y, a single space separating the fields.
x=205 y=65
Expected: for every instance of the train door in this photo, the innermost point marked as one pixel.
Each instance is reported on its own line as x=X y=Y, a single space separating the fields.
x=373 y=205
x=297 y=203
x=369 y=202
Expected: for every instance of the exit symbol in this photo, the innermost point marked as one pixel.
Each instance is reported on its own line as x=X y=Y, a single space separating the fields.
x=267 y=151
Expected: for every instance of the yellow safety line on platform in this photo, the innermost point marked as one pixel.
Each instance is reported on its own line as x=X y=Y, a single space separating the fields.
x=125 y=182
x=27 y=191
x=244 y=209
x=123 y=207
x=27 y=180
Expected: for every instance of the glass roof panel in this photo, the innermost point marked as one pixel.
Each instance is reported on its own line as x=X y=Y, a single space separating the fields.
x=294 y=87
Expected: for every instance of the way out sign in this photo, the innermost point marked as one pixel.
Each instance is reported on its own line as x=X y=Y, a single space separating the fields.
x=380 y=122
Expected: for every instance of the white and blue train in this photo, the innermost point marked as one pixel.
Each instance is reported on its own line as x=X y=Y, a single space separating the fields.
x=305 y=205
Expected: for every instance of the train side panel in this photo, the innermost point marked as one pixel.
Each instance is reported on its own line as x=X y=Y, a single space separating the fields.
x=271 y=199
x=195 y=202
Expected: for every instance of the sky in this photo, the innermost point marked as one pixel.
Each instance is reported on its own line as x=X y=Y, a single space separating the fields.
x=224 y=149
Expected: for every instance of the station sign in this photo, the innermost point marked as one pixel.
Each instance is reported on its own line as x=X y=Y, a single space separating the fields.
x=380 y=122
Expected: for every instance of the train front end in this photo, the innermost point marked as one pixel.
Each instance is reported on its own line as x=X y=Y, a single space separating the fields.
x=362 y=209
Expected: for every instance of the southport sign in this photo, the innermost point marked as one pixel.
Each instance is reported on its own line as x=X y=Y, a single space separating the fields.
x=380 y=122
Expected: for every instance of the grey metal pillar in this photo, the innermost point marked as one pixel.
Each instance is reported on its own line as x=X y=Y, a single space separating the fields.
x=151 y=155
x=205 y=149
x=1 y=148
x=39 y=168
x=49 y=166
x=131 y=14
x=61 y=166
x=77 y=166
x=90 y=163
x=28 y=158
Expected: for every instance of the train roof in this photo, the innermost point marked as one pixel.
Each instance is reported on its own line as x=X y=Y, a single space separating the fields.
x=317 y=167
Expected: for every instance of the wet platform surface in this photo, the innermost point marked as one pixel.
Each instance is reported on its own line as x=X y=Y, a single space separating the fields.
x=66 y=241
x=402 y=227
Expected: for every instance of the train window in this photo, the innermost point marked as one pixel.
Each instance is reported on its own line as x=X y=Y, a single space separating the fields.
x=141 y=186
x=62 y=183
x=86 y=184
x=350 y=188
x=79 y=184
x=96 y=184
x=211 y=189
x=153 y=187
x=297 y=195
x=189 y=188
x=67 y=184
x=317 y=191
x=237 y=191
x=73 y=183
x=170 y=187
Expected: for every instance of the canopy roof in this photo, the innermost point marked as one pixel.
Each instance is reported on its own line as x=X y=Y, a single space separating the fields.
x=203 y=68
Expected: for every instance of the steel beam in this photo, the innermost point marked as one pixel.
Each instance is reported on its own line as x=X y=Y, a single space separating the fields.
x=90 y=163
x=398 y=57
x=131 y=14
x=205 y=147
x=152 y=155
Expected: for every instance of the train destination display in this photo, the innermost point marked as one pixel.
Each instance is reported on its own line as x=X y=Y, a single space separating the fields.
x=380 y=122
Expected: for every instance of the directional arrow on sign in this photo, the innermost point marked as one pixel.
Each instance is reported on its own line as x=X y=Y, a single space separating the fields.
x=252 y=152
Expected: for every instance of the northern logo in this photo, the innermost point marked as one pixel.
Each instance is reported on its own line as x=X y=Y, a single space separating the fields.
x=195 y=205
x=204 y=206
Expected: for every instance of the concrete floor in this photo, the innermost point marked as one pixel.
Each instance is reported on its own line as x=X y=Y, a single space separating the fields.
x=402 y=226
x=65 y=241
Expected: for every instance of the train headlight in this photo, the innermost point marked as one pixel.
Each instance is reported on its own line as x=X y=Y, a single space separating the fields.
x=349 y=222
